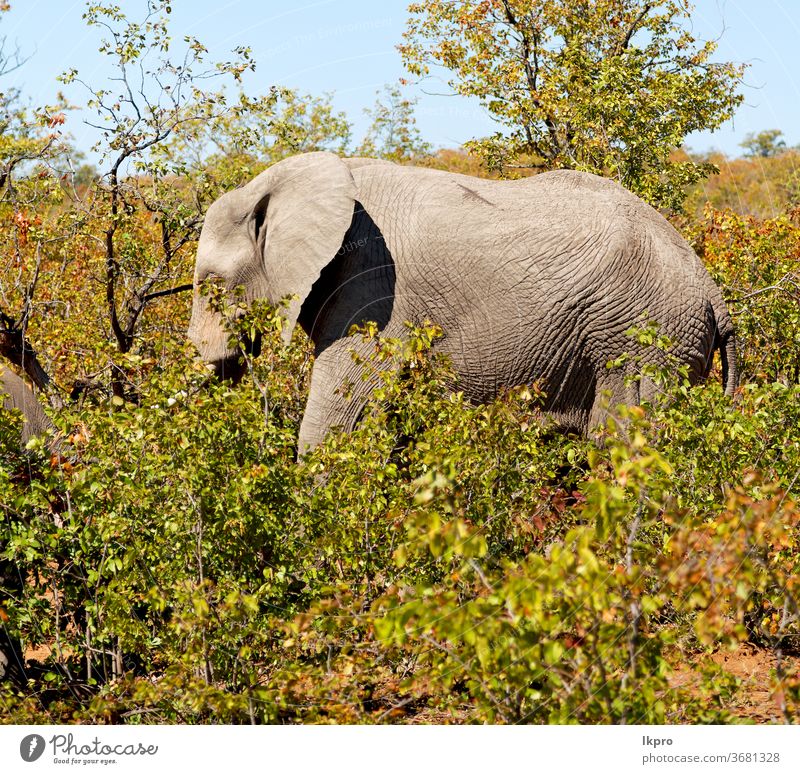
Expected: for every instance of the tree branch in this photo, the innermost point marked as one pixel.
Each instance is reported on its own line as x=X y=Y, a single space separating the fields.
x=626 y=41
x=531 y=76
x=168 y=292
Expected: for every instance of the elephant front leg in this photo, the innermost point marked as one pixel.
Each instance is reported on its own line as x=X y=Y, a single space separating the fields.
x=338 y=392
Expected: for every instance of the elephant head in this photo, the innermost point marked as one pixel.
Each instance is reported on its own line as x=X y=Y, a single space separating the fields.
x=273 y=236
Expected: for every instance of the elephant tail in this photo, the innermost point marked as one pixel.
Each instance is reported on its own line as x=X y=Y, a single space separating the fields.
x=724 y=338
x=730 y=369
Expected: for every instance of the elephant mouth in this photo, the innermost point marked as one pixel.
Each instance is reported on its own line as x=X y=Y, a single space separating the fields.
x=232 y=368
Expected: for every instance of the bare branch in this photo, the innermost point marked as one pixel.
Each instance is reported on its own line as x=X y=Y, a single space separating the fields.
x=169 y=292
x=626 y=41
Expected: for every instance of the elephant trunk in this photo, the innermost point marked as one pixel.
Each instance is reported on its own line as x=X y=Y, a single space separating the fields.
x=207 y=332
x=213 y=342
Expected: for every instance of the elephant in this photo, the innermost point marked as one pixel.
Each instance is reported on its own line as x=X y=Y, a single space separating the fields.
x=530 y=280
x=17 y=395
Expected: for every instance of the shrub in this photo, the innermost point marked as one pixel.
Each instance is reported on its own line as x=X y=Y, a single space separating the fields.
x=444 y=560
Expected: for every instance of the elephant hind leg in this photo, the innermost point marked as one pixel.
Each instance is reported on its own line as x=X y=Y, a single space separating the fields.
x=563 y=421
x=572 y=403
x=601 y=410
x=613 y=391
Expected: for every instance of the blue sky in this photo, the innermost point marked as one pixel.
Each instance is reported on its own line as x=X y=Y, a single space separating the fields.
x=348 y=47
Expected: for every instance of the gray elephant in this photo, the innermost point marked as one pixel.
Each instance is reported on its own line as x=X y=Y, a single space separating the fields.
x=15 y=394
x=530 y=280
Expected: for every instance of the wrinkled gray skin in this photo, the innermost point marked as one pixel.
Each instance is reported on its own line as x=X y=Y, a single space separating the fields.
x=15 y=394
x=534 y=279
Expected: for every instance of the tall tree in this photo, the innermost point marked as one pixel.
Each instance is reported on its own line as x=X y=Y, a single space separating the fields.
x=606 y=86
x=153 y=91
x=764 y=144
x=31 y=145
x=393 y=132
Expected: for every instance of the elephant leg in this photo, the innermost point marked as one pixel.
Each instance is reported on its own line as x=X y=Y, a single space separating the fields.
x=610 y=392
x=338 y=392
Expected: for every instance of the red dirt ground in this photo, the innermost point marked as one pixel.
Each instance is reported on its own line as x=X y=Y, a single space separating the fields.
x=752 y=666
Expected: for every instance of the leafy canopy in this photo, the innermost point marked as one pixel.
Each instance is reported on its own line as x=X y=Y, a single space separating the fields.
x=393 y=133
x=763 y=144
x=610 y=87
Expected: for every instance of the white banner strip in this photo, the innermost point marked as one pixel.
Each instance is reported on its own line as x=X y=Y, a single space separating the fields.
x=401 y=749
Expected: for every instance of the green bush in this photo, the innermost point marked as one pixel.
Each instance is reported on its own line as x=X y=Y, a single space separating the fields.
x=444 y=560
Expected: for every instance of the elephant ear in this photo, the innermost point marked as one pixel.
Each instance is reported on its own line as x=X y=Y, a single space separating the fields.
x=304 y=208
